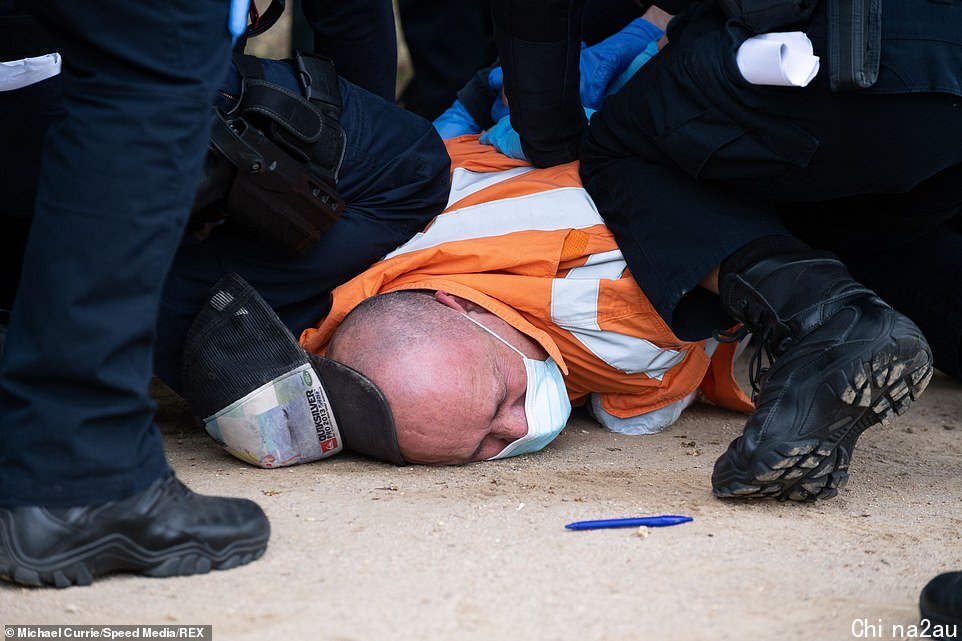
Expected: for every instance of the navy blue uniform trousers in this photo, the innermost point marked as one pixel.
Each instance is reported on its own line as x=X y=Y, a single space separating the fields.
x=539 y=44
x=688 y=163
x=118 y=172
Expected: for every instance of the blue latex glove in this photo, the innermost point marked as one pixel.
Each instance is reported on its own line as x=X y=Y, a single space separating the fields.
x=602 y=62
x=237 y=18
x=455 y=121
x=505 y=139
x=496 y=81
x=650 y=51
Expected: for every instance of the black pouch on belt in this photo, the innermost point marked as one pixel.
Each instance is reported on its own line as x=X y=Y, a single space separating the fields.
x=274 y=159
x=855 y=42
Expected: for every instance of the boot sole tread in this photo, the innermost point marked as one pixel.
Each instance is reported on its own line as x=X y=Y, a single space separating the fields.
x=79 y=572
x=885 y=385
x=81 y=567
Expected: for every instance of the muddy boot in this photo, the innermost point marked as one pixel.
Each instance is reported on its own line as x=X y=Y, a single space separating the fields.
x=941 y=605
x=840 y=359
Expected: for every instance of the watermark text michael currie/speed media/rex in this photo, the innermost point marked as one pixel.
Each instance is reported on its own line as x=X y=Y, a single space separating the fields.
x=19 y=632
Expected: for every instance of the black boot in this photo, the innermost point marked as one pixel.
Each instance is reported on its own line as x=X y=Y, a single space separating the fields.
x=164 y=530
x=941 y=605
x=841 y=361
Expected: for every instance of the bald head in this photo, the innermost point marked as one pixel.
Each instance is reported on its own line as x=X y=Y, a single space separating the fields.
x=392 y=326
x=400 y=340
x=456 y=393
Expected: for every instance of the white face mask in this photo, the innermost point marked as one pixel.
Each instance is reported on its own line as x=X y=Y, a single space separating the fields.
x=546 y=404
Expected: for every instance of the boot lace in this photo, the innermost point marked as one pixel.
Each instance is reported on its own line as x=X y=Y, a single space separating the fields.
x=756 y=371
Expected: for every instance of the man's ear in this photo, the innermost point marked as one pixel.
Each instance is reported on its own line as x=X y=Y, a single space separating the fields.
x=450 y=300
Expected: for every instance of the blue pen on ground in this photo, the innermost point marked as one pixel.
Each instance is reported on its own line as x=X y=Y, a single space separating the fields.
x=663 y=520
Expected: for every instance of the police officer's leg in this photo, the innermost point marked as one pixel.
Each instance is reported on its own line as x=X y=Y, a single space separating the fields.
x=448 y=42
x=539 y=42
x=642 y=162
x=799 y=302
x=843 y=360
x=118 y=176
x=394 y=179
x=359 y=36
x=671 y=243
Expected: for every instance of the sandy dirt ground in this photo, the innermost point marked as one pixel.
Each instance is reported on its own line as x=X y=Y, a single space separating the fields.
x=366 y=551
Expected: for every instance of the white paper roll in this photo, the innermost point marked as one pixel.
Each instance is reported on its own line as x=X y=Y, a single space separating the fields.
x=778 y=59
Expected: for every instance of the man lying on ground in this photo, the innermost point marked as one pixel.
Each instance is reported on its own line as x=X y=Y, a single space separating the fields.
x=479 y=332
x=392 y=178
x=521 y=252
x=556 y=256
x=513 y=301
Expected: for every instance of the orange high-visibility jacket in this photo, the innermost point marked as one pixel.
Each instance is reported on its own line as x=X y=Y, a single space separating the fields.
x=529 y=246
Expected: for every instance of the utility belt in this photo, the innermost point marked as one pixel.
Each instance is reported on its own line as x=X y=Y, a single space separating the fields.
x=274 y=159
x=854 y=33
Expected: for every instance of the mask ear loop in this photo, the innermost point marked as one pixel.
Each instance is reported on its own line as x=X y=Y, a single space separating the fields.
x=490 y=331
x=524 y=358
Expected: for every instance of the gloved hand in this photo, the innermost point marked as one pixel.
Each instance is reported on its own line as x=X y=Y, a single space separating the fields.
x=630 y=48
x=496 y=81
x=478 y=100
x=505 y=139
x=602 y=62
x=455 y=121
x=237 y=19
x=635 y=65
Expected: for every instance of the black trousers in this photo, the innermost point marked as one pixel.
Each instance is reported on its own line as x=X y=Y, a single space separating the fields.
x=539 y=43
x=688 y=163
x=118 y=173
x=448 y=42
x=359 y=36
x=896 y=245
